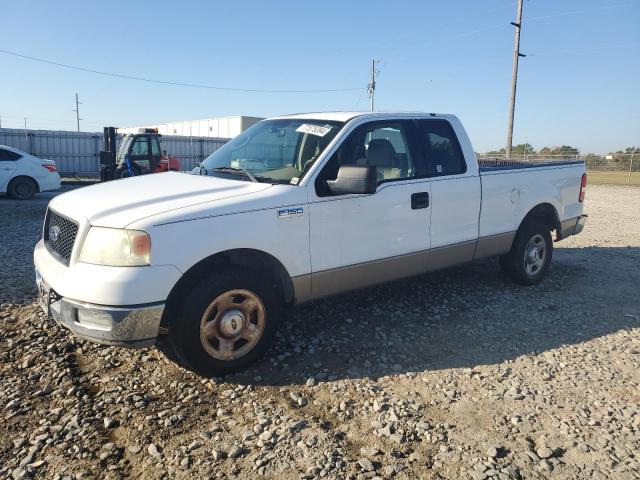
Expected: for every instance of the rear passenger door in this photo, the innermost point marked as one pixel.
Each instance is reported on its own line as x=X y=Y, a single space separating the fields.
x=455 y=194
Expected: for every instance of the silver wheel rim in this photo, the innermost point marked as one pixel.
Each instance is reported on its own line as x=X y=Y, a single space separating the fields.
x=232 y=324
x=535 y=255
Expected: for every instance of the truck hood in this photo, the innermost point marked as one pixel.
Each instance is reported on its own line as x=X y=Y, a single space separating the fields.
x=119 y=203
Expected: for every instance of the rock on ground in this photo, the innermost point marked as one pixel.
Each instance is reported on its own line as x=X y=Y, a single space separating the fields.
x=459 y=374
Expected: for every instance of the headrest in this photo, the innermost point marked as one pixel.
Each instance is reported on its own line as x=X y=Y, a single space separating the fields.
x=380 y=153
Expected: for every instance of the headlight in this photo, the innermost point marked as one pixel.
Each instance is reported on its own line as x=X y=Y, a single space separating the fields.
x=116 y=247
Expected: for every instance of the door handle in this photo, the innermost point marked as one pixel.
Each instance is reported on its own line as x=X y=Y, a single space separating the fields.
x=419 y=200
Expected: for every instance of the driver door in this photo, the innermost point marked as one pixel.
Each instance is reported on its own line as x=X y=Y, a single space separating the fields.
x=360 y=240
x=141 y=154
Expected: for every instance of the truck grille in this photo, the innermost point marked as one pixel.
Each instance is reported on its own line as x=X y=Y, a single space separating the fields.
x=59 y=236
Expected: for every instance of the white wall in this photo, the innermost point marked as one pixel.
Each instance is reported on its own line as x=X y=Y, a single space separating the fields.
x=222 y=127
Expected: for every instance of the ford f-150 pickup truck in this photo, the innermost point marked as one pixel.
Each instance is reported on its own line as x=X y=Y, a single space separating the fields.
x=295 y=208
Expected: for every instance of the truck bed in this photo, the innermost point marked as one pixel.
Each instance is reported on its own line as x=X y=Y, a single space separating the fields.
x=512 y=187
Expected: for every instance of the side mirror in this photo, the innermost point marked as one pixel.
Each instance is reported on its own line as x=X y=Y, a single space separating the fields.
x=354 y=179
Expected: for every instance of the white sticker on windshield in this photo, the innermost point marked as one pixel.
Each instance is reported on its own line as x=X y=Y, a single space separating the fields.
x=314 y=129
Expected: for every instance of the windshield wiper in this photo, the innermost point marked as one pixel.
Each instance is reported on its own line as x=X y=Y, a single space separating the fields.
x=235 y=171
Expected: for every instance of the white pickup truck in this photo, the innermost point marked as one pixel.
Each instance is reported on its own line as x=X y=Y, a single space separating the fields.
x=295 y=208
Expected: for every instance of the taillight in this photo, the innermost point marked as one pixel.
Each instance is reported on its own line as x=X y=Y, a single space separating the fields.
x=51 y=168
x=583 y=187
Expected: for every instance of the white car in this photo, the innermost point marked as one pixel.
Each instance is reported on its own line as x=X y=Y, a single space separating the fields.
x=293 y=209
x=22 y=175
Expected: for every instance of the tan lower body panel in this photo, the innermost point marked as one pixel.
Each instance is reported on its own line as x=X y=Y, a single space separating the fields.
x=338 y=280
x=493 y=245
x=450 y=255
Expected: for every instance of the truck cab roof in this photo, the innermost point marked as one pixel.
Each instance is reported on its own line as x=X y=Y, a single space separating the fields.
x=346 y=116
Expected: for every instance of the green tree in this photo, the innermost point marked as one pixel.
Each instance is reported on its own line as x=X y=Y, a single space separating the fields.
x=564 y=150
x=523 y=148
x=502 y=151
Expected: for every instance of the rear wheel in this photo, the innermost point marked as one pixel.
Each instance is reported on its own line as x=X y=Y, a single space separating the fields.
x=22 y=188
x=226 y=323
x=530 y=255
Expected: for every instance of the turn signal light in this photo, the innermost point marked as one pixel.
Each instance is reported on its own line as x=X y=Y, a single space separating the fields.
x=583 y=187
x=141 y=244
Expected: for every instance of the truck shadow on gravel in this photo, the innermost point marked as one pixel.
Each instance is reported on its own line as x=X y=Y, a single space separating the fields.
x=459 y=318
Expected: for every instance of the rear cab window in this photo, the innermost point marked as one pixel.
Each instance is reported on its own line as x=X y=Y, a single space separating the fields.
x=8 y=155
x=441 y=147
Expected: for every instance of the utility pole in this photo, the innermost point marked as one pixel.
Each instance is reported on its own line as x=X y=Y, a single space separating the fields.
x=26 y=137
x=514 y=76
x=372 y=86
x=77 y=110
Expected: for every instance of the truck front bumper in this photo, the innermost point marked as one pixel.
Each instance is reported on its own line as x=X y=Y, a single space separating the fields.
x=131 y=326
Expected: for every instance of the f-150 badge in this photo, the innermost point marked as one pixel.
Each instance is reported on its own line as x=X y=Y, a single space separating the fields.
x=290 y=212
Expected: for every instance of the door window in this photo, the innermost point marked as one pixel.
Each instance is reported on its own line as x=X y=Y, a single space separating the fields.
x=383 y=145
x=442 y=150
x=8 y=156
x=140 y=147
x=155 y=147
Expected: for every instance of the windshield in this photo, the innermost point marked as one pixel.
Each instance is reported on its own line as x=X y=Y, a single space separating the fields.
x=274 y=151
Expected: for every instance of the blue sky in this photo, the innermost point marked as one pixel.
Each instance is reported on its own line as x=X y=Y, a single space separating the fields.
x=578 y=85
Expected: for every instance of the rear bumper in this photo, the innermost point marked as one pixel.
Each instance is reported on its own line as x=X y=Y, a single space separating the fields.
x=572 y=226
x=49 y=182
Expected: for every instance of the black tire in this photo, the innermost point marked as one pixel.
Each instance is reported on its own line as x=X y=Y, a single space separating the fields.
x=184 y=337
x=518 y=265
x=123 y=171
x=22 y=188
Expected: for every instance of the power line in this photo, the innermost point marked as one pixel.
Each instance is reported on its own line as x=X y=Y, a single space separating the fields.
x=177 y=84
x=588 y=49
x=586 y=10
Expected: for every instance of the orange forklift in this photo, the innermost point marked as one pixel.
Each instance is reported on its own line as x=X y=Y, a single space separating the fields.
x=139 y=154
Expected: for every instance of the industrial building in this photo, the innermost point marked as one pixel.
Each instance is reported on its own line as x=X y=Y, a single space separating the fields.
x=220 y=127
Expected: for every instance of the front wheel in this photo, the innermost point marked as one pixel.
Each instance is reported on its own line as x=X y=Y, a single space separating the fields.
x=528 y=261
x=226 y=323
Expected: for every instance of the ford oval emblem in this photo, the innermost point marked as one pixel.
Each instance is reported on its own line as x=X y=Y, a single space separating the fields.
x=54 y=232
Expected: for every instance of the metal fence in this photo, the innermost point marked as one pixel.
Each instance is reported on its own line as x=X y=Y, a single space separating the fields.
x=617 y=168
x=78 y=153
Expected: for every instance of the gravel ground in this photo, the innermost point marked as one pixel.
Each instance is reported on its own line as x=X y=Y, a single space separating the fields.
x=459 y=374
